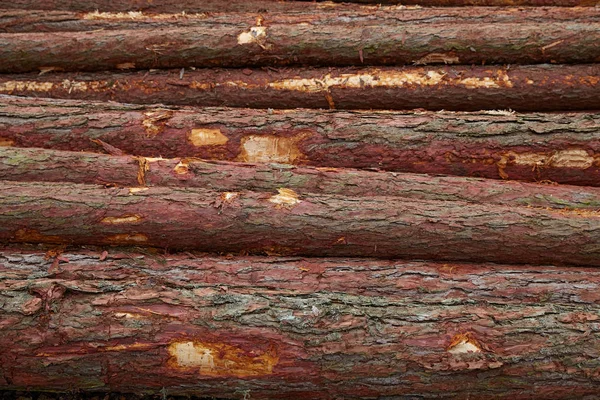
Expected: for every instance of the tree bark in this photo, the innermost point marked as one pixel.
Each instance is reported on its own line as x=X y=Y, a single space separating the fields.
x=261 y=6
x=298 y=42
x=455 y=88
x=291 y=223
x=30 y=165
x=24 y=21
x=296 y=328
x=559 y=147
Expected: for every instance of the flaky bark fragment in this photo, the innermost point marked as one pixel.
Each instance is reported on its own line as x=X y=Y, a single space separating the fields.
x=296 y=41
x=287 y=222
x=30 y=165
x=560 y=147
x=296 y=328
x=457 y=88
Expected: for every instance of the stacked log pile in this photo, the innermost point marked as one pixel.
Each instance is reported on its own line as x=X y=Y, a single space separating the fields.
x=301 y=200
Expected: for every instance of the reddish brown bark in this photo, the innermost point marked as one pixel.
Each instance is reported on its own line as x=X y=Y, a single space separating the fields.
x=457 y=88
x=261 y=6
x=260 y=42
x=30 y=165
x=22 y=21
x=561 y=147
x=291 y=223
x=296 y=328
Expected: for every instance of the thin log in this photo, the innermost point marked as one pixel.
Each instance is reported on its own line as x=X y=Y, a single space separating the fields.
x=561 y=147
x=455 y=88
x=296 y=328
x=297 y=42
x=23 y=21
x=292 y=223
x=30 y=165
x=264 y=6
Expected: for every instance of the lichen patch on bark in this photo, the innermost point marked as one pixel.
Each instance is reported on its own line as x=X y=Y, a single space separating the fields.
x=207 y=137
x=267 y=148
x=220 y=359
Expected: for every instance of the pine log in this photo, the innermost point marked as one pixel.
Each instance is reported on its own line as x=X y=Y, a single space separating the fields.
x=31 y=165
x=561 y=147
x=297 y=42
x=455 y=88
x=264 y=6
x=265 y=328
x=23 y=21
x=292 y=223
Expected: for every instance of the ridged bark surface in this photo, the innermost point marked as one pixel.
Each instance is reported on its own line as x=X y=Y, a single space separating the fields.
x=457 y=88
x=561 y=147
x=22 y=21
x=296 y=223
x=30 y=165
x=296 y=41
x=262 y=6
x=296 y=328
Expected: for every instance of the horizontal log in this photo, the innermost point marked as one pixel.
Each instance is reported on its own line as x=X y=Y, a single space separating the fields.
x=561 y=147
x=455 y=88
x=298 y=42
x=23 y=21
x=171 y=6
x=296 y=328
x=292 y=223
x=30 y=165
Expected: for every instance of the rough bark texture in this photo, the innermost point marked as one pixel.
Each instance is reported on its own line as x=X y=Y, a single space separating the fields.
x=261 y=6
x=457 y=88
x=298 y=42
x=29 y=165
x=22 y=21
x=561 y=147
x=262 y=328
x=291 y=223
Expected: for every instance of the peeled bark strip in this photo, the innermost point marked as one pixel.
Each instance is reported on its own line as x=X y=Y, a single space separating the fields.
x=298 y=42
x=296 y=223
x=456 y=88
x=296 y=328
x=562 y=148
x=30 y=165
x=262 y=6
x=22 y=21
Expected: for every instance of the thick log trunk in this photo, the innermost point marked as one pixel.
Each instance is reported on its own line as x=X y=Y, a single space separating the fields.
x=298 y=42
x=296 y=328
x=291 y=223
x=456 y=88
x=23 y=21
x=562 y=147
x=30 y=165
x=174 y=6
